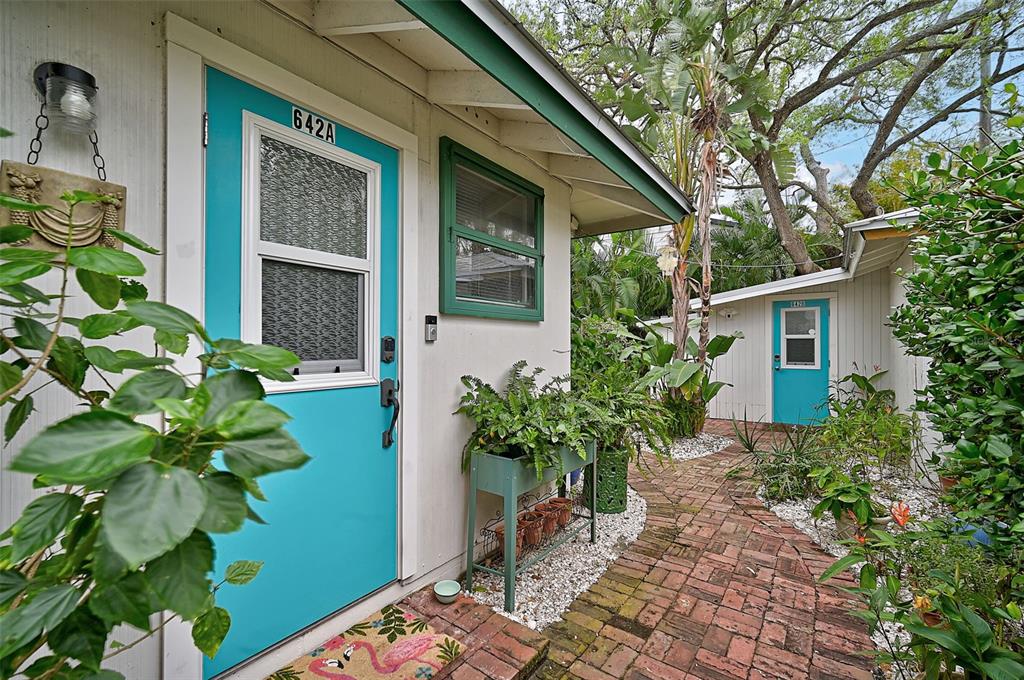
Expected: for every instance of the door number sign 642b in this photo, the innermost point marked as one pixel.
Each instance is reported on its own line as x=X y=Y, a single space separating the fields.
x=312 y=124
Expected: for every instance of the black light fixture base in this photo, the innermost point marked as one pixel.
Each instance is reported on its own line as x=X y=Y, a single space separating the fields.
x=55 y=68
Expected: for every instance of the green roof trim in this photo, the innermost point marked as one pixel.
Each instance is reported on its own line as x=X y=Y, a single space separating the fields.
x=458 y=24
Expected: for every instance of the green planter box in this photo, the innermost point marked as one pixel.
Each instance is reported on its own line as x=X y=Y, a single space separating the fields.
x=502 y=476
x=510 y=478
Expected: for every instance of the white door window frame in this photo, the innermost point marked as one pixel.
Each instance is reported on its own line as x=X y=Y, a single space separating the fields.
x=784 y=336
x=833 y=339
x=190 y=49
x=255 y=251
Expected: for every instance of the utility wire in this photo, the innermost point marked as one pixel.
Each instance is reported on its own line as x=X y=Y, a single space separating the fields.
x=723 y=265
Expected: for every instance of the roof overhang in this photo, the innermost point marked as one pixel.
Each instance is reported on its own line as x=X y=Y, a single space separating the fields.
x=868 y=245
x=472 y=58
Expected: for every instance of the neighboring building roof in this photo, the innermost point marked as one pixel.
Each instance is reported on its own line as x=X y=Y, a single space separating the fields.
x=472 y=58
x=868 y=245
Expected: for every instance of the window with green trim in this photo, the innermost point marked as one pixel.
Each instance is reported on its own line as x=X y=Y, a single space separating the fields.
x=492 y=227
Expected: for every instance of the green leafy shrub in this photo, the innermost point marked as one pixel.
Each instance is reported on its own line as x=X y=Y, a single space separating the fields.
x=128 y=533
x=685 y=386
x=864 y=425
x=957 y=613
x=608 y=366
x=524 y=419
x=965 y=312
x=843 y=496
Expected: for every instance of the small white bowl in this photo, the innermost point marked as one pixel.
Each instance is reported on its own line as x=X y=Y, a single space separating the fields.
x=446 y=591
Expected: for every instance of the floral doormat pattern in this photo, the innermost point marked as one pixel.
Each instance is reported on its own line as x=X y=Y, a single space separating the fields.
x=390 y=644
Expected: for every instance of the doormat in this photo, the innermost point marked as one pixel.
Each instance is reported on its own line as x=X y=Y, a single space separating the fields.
x=390 y=644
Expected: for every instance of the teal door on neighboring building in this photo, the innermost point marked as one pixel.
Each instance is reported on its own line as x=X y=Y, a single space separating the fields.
x=302 y=252
x=800 y=361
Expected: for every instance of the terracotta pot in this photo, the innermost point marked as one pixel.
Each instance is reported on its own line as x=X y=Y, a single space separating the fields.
x=533 y=527
x=947 y=482
x=499 y=532
x=564 y=510
x=550 y=512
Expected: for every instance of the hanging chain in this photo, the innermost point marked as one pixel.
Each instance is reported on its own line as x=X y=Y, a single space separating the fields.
x=36 y=145
x=97 y=158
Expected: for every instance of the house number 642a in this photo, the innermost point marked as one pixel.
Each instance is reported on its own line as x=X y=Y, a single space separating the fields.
x=312 y=124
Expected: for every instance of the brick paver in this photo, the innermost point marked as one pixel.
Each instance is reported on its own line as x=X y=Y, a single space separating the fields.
x=495 y=648
x=715 y=588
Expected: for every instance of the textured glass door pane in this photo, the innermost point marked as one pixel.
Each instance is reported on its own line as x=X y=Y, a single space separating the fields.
x=493 y=274
x=800 y=351
x=310 y=201
x=493 y=208
x=316 y=313
x=800 y=322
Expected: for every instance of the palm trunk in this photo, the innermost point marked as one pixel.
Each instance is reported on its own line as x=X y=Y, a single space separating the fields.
x=708 y=192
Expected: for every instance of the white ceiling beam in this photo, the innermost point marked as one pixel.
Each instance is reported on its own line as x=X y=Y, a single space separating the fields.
x=626 y=198
x=538 y=137
x=348 y=17
x=626 y=223
x=470 y=88
x=575 y=167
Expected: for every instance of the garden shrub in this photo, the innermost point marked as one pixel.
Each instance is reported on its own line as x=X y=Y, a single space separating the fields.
x=128 y=532
x=864 y=426
x=965 y=312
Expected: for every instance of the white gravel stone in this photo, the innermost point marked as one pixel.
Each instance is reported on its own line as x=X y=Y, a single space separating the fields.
x=545 y=590
x=702 y=445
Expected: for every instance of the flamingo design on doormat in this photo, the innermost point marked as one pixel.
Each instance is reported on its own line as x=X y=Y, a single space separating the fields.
x=399 y=645
x=399 y=654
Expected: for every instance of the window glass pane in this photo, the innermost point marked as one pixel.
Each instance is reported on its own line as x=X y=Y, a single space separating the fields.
x=494 y=275
x=493 y=208
x=800 y=351
x=310 y=201
x=800 y=322
x=316 y=313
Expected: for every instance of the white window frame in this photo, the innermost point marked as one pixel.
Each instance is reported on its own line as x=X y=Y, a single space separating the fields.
x=783 y=336
x=254 y=250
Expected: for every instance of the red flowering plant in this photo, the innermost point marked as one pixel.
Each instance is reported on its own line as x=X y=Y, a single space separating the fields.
x=934 y=581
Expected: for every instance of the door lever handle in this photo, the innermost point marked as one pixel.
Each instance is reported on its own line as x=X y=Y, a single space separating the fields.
x=389 y=398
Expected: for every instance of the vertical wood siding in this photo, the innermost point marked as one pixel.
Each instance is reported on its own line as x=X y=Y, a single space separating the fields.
x=862 y=342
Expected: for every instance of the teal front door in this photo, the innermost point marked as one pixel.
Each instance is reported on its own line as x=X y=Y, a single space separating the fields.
x=302 y=252
x=800 y=364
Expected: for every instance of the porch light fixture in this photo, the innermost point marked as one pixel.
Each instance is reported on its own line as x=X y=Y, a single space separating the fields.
x=69 y=95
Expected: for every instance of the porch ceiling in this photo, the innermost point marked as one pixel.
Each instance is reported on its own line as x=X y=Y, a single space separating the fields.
x=476 y=62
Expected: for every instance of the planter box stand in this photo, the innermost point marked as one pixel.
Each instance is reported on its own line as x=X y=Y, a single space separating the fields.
x=510 y=479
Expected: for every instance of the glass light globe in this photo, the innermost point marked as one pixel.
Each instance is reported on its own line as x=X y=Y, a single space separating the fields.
x=71 y=104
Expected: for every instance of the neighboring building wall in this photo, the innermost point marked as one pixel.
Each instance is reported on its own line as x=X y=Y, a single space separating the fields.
x=862 y=342
x=909 y=373
x=122 y=44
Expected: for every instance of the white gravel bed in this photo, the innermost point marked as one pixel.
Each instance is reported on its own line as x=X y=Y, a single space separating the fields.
x=703 y=444
x=545 y=591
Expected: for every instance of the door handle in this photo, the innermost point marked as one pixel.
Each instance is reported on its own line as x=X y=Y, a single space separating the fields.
x=389 y=398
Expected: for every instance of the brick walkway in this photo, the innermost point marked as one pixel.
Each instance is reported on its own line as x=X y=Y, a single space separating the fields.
x=715 y=588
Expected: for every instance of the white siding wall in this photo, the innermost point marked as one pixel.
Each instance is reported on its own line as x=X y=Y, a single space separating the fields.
x=909 y=373
x=861 y=341
x=122 y=44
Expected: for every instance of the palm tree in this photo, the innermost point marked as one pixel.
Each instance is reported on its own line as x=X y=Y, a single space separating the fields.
x=617 y=272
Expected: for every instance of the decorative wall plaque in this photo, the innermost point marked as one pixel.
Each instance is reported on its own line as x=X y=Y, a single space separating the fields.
x=45 y=185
